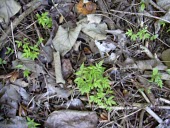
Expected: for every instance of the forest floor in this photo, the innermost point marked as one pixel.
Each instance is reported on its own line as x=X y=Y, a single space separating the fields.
x=84 y=63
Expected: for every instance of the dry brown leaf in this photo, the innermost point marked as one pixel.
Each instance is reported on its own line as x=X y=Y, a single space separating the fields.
x=86 y=8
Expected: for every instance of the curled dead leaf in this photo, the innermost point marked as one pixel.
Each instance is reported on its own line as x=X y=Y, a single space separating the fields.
x=104 y=116
x=86 y=8
x=12 y=76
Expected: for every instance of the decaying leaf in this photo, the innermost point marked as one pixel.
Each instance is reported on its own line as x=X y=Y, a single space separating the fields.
x=165 y=4
x=8 y=8
x=105 y=47
x=20 y=82
x=92 y=18
x=147 y=65
x=16 y=122
x=120 y=35
x=72 y=119
x=12 y=76
x=46 y=55
x=95 y=31
x=10 y=100
x=51 y=92
x=85 y=8
x=23 y=93
x=28 y=64
x=65 y=39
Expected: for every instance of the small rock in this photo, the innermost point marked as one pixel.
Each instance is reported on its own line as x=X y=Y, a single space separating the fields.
x=72 y=119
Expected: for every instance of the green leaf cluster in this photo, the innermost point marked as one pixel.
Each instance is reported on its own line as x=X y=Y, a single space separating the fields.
x=142 y=35
x=28 y=50
x=44 y=20
x=90 y=80
x=26 y=73
x=142 y=5
x=31 y=123
x=2 y=61
x=9 y=51
x=156 y=77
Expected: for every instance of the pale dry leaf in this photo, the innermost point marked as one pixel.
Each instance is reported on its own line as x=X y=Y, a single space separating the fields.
x=95 y=31
x=146 y=65
x=120 y=35
x=11 y=93
x=165 y=4
x=23 y=93
x=92 y=18
x=104 y=47
x=8 y=8
x=15 y=122
x=57 y=64
x=65 y=39
x=59 y=92
x=20 y=82
x=28 y=64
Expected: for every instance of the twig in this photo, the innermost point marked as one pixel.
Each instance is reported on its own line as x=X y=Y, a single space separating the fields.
x=13 y=41
x=141 y=119
x=164 y=100
x=141 y=14
x=35 y=4
x=154 y=115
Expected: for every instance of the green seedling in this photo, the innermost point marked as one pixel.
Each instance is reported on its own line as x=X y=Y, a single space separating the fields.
x=2 y=62
x=141 y=35
x=156 y=77
x=31 y=123
x=90 y=80
x=9 y=51
x=26 y=73
x=168 y=71
x=142 y=5
x=44 y=20
x=29 y=51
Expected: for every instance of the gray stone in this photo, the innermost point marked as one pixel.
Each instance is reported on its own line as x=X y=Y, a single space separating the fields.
x=72 y=119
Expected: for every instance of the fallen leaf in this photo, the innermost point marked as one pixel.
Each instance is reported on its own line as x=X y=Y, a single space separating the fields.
x=65 y=39
x=95 y=31
x=85 y=8
x=28 y=64
x=12 y=76
x=92 y=18
x=21 y=83
x=8 y=8
x=165 y=4
x=15 y=122
x=146 y=65
x=104 y=47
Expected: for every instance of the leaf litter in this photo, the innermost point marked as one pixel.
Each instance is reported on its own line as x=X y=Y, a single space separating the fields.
x=85 y=32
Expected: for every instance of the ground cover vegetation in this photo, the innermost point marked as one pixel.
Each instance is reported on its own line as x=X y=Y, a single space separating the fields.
x=84 y=63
